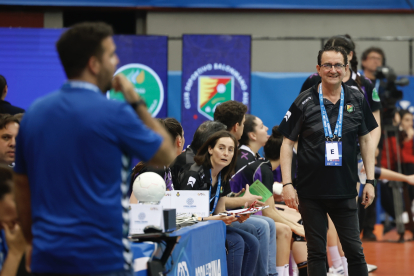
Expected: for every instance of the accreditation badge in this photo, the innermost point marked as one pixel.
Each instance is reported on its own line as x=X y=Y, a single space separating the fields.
x=333 y=153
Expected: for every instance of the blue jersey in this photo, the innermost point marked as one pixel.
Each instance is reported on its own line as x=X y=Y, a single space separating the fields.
x=71 y=145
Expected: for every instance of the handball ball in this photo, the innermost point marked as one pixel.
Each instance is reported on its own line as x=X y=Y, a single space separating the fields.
x=149 y=187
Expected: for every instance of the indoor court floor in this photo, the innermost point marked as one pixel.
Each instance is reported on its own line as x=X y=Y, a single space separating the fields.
x=392 y=258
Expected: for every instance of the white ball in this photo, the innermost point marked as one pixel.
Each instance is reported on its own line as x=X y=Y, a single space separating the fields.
x=149 y=187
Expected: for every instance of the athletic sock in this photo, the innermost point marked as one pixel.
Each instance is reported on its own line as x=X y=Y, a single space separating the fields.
x=345 y=265
x=292 y=263
x=303 y=268
x=286 y=269
x=336 y=258
x=280 y=270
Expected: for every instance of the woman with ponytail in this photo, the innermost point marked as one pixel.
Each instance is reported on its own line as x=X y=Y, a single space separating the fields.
x=252 y=167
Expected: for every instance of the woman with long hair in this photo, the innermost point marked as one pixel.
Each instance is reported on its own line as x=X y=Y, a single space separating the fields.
x=215 y=162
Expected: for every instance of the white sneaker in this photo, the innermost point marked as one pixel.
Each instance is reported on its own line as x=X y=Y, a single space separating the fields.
x=337 y=271
x=371 y=267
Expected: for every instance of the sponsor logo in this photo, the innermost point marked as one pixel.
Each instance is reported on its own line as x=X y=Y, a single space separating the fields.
x=141 y=216
x=154 y=209
x=287 y=116
x=201 y=194
x=349 y=108
x=190 y=203
x=191 y=181
x=305 y=101
x=182 y=269
x=212 y=268
x=212 y=91
x=178 y=194
x=147 y=84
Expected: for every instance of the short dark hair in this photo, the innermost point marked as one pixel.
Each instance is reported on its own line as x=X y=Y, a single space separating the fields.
x=370 y=50
x=3 y=83
x=6 y=119
x=230 y=113
x=6 y=181
x=249 y=126
x=204 y=131
x=273 y=144
x=78 y=44
x=203 y=156
x=334 y=49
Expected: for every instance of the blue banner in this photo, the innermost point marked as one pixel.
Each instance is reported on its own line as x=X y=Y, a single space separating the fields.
x=216 y=68
x=30 y=63
x=144 y=61
x=226 y=4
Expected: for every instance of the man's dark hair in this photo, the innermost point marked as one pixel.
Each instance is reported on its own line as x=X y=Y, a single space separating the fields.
x=369 y=51
x=249 y=126
x=3 y=83
x=203 y=156
x=335 y=49
x=78 y=44
x=6 y=181
x=6 y=119
x=204 y=131
x=230 y=113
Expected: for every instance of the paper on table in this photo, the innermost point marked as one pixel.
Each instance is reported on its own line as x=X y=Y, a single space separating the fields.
x=142 y=215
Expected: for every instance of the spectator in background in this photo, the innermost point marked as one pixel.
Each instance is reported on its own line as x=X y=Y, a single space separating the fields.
x=71 y=189
x=9 y=127
x=12 y=242
x=6 y=107
x=201 y=135
x=371 y=59
x=231 y=113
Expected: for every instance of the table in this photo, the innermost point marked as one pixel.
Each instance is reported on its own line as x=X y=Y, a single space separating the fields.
x=200 y=251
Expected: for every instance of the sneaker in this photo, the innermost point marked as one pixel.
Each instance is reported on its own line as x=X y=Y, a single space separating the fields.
x=371 y=267
x=337 y=271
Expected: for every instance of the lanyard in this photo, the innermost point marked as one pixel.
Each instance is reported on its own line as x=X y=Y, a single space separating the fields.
x=325 y=119
x=216 y=197
x=377 y=85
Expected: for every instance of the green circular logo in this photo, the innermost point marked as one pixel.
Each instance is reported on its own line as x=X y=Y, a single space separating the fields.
x=147 y=84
